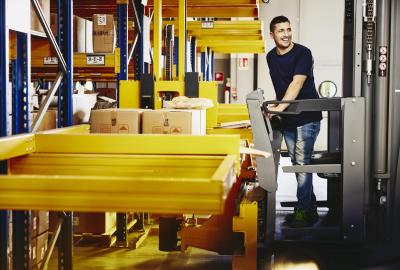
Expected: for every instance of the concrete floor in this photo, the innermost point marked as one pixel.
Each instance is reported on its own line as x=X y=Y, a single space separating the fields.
x=145 y=257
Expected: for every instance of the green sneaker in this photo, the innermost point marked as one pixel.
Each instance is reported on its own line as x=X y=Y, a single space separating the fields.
x=303 y=218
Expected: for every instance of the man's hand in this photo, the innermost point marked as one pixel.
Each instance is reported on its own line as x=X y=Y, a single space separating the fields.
x=274 y=108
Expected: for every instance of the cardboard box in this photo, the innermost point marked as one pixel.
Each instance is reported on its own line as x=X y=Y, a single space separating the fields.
x=39 y=223
x=89 y=36
x=115 y=121
x=174 y=122
x=35 y=23
x=104 y=36
x=53 y=23
x=49 y=120
x=82 y=105
x=79 y=34
x=83 y=33
x=38 y=249
x=95 y=223
x=87 y=222
x=41 y=246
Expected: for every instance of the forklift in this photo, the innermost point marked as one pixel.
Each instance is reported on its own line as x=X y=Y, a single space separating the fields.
x=361 y=163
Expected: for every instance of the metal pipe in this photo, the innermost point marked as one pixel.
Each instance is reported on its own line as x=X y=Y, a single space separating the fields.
x=49 y=34
x=157 y=39
x=52 y=243
x=367 y=92
x=380 y=125
x=45 y=105
x=4 y=215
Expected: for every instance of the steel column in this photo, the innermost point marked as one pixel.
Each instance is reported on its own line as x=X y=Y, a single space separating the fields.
x=381 y=87
x=21 y=239
x=20 y=95
x=65 y=10
x=65 y=14
x=203 y=65
x=122 y=233
x=3 y=70
x=65 y=242
x=4 y=218
x=20 y=124
x=193 y=53
x=139 y=61
x=157 y=39
x=212 y=66
x=123 y=39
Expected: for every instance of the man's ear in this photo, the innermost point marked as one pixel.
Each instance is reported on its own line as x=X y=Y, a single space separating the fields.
x=271 y=35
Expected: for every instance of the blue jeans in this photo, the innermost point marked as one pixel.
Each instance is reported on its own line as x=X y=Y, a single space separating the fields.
x=300 y=143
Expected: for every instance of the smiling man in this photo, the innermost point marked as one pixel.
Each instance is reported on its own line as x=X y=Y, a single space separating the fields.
x=291 y=70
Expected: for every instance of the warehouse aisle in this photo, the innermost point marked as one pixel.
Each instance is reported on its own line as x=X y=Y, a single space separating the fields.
x=147 y=257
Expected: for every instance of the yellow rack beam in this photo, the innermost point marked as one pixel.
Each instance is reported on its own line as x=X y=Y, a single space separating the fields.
x=138 y=144
x=115 y=193
x=232 y=112
x=15 y=146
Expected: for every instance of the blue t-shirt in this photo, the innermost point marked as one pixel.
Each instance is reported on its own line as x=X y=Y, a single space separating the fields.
x=282 y=68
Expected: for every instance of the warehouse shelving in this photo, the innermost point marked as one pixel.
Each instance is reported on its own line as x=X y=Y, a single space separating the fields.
x=63 y=67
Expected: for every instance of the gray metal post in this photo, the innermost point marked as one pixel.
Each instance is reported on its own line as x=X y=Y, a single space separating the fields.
x=353 y=169
x=394 y=110
x=357 y=48
x=380 y=125
x=368 y=35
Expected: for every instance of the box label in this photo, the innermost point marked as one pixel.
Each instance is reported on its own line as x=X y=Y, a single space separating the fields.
x=50 y=61
x=95 y=60
x=102 y=20
x=123 y=128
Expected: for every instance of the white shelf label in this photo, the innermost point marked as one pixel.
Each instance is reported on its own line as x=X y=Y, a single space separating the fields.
x=95 y=60
x=207 y=24
x=50 y=61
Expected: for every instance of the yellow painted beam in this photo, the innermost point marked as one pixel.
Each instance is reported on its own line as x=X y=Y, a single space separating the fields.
x=161 y=86
x=213 y=11
x=138 y=144
x=78 y=129
x=121 y=194
x=232 y=112
x=129 y=92
x=230 y=43
x=228 y=50
x=244 y=133
x=80 y=60
x=18 y=145
x=169 y=166
x=202 y=192
x=157 y=20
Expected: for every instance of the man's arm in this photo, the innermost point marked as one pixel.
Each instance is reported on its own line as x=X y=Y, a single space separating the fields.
x=291 y=93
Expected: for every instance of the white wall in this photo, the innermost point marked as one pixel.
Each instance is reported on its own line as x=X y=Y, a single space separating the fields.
x=242 y=79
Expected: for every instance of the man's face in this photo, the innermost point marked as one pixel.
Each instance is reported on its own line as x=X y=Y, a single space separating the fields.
x=282 y=35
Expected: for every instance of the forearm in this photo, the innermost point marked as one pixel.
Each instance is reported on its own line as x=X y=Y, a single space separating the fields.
x=291 y=94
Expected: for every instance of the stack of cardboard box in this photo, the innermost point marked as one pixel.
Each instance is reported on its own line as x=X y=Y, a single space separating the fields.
x=104 y=37
x=82 y=33
x=135 y=121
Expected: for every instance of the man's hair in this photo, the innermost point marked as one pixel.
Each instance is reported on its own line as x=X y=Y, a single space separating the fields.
x=276 y=20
